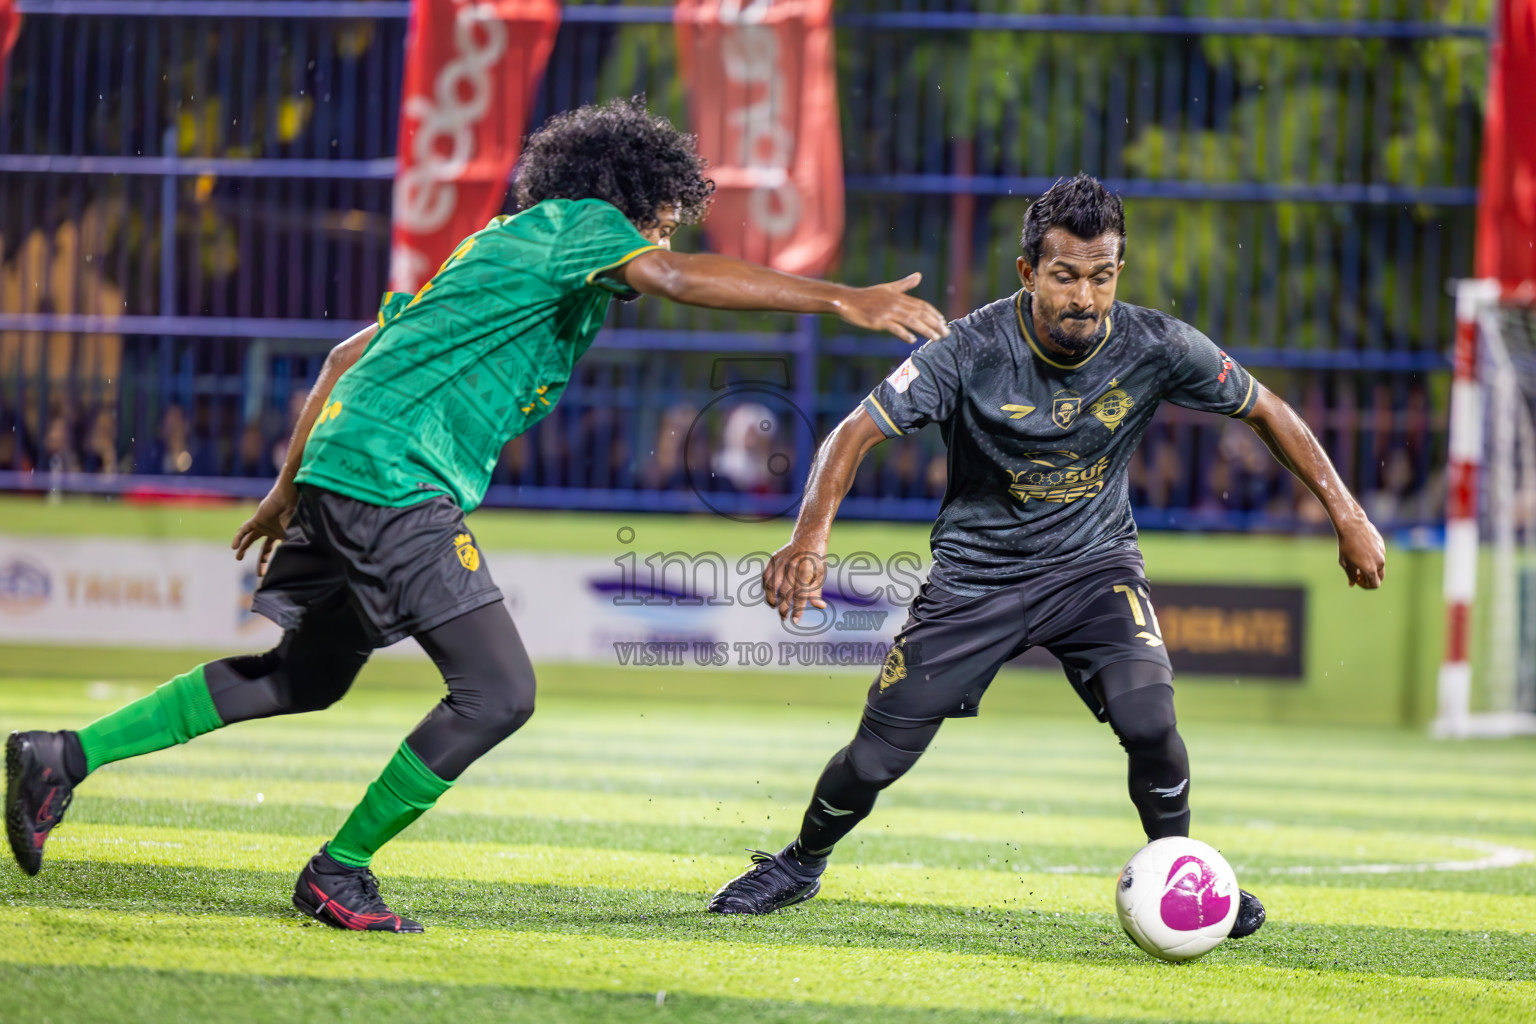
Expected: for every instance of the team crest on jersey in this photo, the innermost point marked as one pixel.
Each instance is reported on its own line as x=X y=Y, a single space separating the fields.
x=895 y=668
x=464 y=547
x=1065 y=406
x=1112 y=406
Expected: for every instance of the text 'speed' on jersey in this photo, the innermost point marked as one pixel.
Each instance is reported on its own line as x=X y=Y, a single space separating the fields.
x=1038 y=446
x=480 y=354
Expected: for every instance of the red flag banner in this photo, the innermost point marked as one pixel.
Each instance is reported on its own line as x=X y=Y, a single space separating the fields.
x=10 y=28
x=1506 y=216
x=471 y=70
x=763 y=95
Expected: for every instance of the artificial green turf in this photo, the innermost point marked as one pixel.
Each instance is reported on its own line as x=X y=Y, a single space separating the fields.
x=563 y=879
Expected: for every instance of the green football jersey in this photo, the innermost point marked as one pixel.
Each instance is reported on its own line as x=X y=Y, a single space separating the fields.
x=480 y=354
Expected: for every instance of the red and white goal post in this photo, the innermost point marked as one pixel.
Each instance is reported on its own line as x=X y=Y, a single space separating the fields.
x=1487 y=684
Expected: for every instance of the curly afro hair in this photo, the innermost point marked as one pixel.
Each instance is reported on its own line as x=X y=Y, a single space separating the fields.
x=618 y=152
x=1081 y=205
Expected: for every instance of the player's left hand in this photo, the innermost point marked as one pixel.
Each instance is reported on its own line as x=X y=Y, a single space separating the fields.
x=793 y=579
x=1362 y=553
x=887 y=307
x=268 y=525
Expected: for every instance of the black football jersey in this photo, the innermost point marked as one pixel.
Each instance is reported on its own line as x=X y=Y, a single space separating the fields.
x=1039 y=444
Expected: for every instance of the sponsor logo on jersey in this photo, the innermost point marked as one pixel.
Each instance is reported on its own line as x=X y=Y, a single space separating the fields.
x=1055 y=477
x=1064 y=408
x=1112 y=406
x=895 y=668
x=464 y=547
x=902 y=377
x=1190 y=900
x=1226 y=367
x=1017 y=412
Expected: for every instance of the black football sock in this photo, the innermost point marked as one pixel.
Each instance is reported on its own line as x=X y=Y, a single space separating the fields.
x=841 y=800
x=849 y=785
x=1144 y=721
x=75 y=767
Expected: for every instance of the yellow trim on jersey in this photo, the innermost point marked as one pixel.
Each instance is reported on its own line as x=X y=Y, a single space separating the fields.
x=1018 y=309
x=881 y=409
x=627 y=257
x=1241 y=406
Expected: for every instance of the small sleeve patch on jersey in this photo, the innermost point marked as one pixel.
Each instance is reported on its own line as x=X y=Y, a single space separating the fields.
x=902 y=377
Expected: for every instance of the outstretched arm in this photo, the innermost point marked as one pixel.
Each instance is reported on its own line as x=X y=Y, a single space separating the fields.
x=796 y=572
x=1361 y=551
x=721 y=282
x=272 y=515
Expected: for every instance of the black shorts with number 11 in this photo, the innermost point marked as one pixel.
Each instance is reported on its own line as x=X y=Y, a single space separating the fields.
x=951 y=646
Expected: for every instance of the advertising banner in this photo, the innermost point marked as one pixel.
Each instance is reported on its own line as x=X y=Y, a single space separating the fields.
x=643 y=609
x=762 y=90
x=1224 y=631
x=472 y=68
x=1234 y=631
x=656 y=609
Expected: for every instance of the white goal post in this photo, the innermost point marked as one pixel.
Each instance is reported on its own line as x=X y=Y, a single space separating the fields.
x=1490 y=524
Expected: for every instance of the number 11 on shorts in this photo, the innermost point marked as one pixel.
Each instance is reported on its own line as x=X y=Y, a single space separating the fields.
x=1154 y=637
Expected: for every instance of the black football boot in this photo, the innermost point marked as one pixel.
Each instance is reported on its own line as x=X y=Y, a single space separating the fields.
x=38 y=789
x=345 y=897
x=773 y=882
x=1250 y=915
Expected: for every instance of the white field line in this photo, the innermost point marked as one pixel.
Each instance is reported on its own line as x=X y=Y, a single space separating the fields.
x=1497 y=856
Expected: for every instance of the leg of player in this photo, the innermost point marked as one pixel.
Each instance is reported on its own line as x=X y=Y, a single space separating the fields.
x=1138 y=699
x=308 y=670
x=844 y=795
x=490 y=695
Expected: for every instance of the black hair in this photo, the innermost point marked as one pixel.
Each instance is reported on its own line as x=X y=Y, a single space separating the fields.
x=1081 y=205
x=618 y=152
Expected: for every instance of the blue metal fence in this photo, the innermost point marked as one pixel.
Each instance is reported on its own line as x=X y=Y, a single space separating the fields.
x=195 y=204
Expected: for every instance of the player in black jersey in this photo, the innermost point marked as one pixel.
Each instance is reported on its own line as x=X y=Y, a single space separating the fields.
x=1041 y=398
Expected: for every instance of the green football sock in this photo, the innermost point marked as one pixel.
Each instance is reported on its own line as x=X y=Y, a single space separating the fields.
x=405 y=791
x=174 y=713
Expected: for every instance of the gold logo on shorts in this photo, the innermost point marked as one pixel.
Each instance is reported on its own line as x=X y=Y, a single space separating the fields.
x=1112 y=407
x=464 y=547
x=894 y=670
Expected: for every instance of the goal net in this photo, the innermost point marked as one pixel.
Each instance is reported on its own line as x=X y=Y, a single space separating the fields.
x=1487 y=684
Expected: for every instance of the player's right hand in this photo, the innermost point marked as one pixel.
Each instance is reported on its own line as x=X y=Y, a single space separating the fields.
x=1362 y=554
x=887 y=307
x=793 y=578
x=268 y=525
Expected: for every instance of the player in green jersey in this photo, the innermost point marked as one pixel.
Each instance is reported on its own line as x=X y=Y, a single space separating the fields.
x=397 y=442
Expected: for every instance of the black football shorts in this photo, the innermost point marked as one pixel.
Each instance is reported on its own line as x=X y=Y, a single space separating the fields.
x=403 y=570
x=951 y=646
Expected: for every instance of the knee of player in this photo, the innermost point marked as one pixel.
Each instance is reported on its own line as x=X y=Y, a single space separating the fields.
x=1144 y=717
x=875 y=761
x=507 y=708
x=315 y=686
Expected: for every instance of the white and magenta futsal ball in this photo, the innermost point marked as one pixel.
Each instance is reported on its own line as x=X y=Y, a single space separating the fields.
x=1177 y=898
